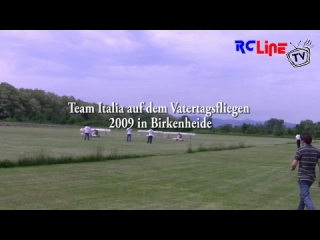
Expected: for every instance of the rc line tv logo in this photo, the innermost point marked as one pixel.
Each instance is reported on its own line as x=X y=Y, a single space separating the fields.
x=297 y=57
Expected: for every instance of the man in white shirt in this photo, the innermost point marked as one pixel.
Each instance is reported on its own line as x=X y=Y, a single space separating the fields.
x=298 y=140
x=129 y=132
x=87 y=131
x=150 y=135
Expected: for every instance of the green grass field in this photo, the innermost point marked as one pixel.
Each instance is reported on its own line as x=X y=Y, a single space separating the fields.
x=258 y=177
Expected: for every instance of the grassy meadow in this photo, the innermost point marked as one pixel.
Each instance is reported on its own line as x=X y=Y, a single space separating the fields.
x=257 y=177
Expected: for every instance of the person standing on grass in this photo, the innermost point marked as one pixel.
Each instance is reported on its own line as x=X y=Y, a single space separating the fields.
x=298 y=140
x=87 y=131
x=150 y=135
x=129 y=132
x=308 y=157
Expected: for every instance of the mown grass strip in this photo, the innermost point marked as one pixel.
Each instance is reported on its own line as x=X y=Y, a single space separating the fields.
x=216 y=147
x=43 y=157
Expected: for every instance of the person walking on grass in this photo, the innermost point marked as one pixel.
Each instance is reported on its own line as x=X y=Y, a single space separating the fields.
x=87 y=131
x=150 y=135
x=129 y=133
x=298 y=139
x=308 y=157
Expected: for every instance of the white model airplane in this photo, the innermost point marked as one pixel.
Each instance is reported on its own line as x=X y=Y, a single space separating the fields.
x=176 y=133
x=95 y=132
x=141 y=131
x=167 y=134
x=147 y=131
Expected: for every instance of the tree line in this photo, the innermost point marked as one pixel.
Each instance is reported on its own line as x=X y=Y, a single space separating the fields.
x=39 y=106
x=273 y=126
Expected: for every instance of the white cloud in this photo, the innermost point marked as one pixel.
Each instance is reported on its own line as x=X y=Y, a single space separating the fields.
x=7 y=70
x=28 y=35
x=107 y=39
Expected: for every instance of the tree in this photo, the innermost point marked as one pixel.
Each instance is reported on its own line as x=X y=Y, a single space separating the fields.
x=227 y=128
x=184 y=118
x=275 y=126
x=307 y=126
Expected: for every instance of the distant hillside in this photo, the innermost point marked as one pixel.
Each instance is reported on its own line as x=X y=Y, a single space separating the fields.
x=236 y=122
x=39 y=106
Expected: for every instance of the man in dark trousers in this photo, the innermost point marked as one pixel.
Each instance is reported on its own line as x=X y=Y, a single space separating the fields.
x=298 y=140
x=308 y=157
x=129 y=132
x=87 y=131
x=150 y=135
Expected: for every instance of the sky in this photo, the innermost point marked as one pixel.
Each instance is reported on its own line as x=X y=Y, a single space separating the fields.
x=192 y=67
